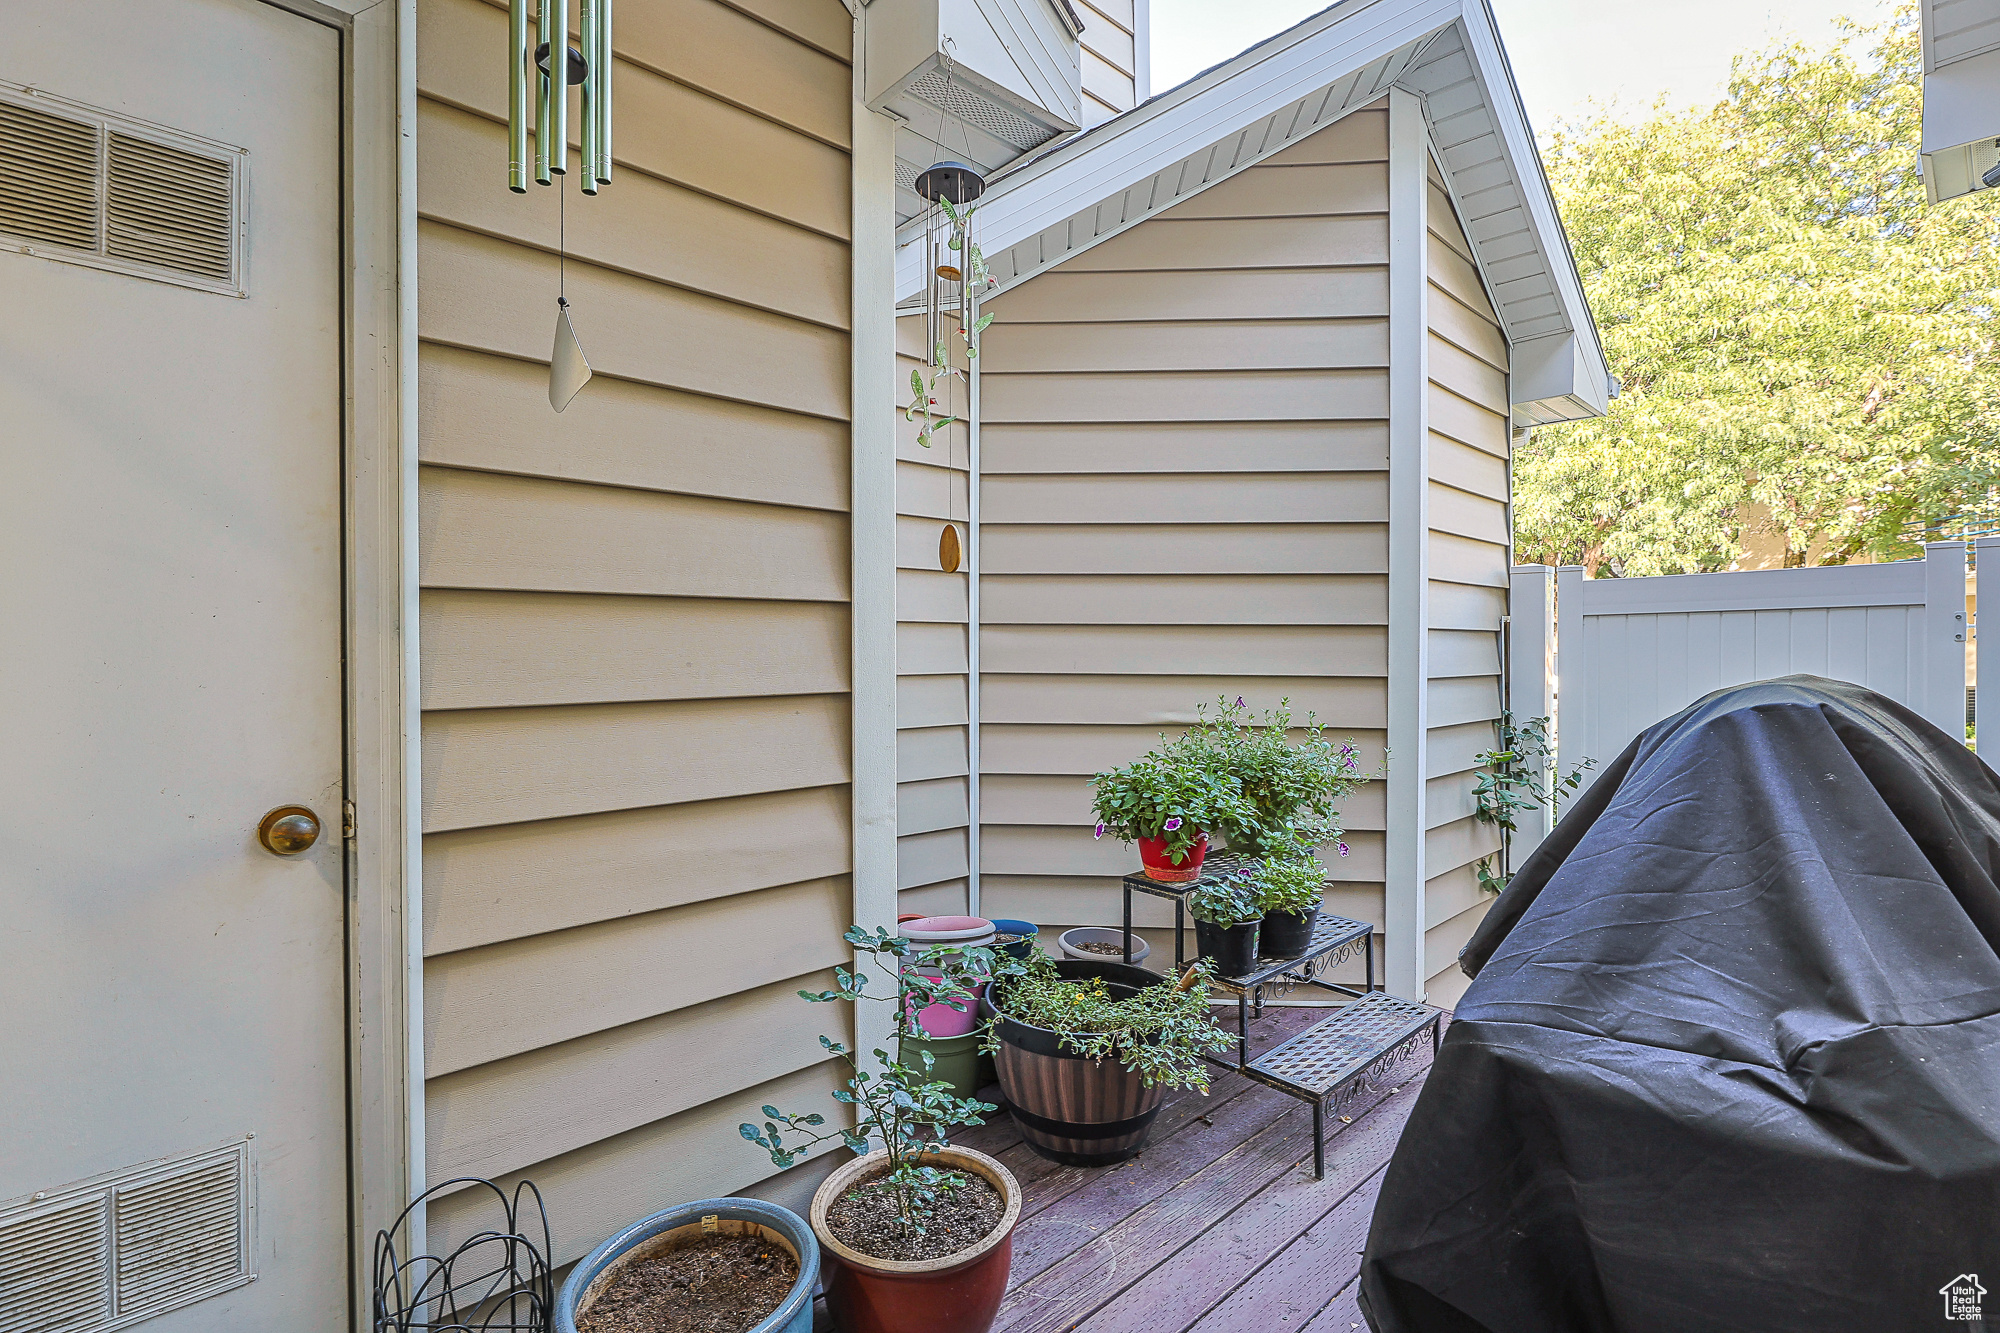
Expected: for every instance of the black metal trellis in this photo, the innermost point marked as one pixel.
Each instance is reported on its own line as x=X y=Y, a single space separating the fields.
x=496 y=1280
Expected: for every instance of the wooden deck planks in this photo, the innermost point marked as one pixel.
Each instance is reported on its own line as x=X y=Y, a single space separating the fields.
x=1218 y=1227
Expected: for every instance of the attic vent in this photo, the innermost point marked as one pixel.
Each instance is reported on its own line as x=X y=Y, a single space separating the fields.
x=123 y=1248
x=91 y=187
x=48 y=177
x=973 y=109
x=906 y=175
x=169 y=207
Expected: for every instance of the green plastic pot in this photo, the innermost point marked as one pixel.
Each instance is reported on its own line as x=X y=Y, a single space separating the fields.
x=957 y=1060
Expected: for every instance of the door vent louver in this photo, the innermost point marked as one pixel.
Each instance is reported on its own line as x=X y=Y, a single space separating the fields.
x=169 y=207
x=48 y=177
x=92 y=187
x=122 y=1248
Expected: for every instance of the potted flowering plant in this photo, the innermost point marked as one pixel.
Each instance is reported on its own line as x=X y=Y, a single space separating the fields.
x=1288 y=889
x=1226 y=916
x=917 y=1235
x=1166 y=803
x=1289 y=791
x=1086 y=1049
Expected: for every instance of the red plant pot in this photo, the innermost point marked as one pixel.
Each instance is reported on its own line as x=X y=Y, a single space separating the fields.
x=1153 y=857
x=959 y=1293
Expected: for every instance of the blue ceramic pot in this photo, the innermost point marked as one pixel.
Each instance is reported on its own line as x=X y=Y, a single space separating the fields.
x=643 y=1239
x=1027 y=929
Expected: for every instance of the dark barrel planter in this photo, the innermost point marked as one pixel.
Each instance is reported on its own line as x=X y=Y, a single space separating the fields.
x=1286 y=934
x=1069 y=1109
x=1234 y=948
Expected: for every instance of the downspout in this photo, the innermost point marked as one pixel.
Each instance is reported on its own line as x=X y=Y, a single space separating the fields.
x=972 y=709
x=412 y=684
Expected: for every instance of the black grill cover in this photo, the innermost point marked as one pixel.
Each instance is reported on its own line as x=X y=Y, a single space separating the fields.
x=1731 y=1059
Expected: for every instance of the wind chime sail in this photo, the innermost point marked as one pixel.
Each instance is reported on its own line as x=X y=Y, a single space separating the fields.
x=545 y=71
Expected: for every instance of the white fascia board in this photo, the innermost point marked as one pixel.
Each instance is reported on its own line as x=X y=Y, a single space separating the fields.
x=1149 y=139
x=1961 y=124
x=1503 y=97
x=1556 y=379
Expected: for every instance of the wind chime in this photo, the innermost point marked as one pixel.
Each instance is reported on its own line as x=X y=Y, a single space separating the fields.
x=590 y=68
x=954 y=276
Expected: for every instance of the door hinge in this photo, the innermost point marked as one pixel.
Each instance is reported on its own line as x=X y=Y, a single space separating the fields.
x=347 y=820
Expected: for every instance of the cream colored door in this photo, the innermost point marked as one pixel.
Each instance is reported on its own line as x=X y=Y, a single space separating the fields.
x=172 y=1032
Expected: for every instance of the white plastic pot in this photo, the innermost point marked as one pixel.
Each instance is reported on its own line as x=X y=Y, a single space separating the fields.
x=1071 y=940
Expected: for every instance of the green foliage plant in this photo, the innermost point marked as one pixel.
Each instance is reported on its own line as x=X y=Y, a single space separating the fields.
x=1226 y=900
x=1165 y=794
x=1289 y=883
x=1804 y=345
x=1291 y=790
x=902 y=1107
x=1521 y=775
x=1161 y=1033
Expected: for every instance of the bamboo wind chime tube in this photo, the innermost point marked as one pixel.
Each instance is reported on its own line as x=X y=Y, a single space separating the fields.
x=522 y=65
x=586 y=23
x=558 y=82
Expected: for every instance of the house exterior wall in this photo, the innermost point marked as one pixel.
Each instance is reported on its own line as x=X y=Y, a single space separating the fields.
x=1184 y=454
x=932 y=844
x=1471 y=538
x=636 y=648
x=1113 y=31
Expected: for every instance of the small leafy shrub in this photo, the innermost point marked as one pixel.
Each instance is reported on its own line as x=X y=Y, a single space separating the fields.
x=1289 y=884
x=1229 y=900
x=1290 y=792
x=1165 y=795
x=903 y=1107
x=1160 y=1034
x=1520 y=776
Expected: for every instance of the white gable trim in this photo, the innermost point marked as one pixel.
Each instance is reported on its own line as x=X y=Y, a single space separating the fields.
x=1162 y=153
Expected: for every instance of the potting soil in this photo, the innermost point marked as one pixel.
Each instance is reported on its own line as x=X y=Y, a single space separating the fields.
x=867 y=1219
x=712 y=1284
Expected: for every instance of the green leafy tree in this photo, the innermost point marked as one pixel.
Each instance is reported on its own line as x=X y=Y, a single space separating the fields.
x=1805 y=346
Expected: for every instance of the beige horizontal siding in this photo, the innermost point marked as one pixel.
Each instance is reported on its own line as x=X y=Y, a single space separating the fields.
x=1469 y=497
x=1193 y=447
x=1185 y=498
x=490 y=413
x=634 y=614
x=663 y=128
x=509 y=881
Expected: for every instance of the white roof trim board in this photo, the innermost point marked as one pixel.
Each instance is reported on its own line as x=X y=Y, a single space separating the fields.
x=1172 y=147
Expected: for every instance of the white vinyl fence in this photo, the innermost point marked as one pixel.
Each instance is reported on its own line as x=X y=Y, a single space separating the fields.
x=1629 y=652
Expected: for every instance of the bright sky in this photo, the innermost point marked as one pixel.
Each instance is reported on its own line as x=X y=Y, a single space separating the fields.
x=1564 y=52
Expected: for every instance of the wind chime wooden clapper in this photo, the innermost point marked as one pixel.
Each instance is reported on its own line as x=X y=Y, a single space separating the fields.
x=589 y=68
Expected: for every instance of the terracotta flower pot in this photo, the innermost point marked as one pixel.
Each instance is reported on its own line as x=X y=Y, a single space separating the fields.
x=1154 y=859
x=959 y=1293
x=1070 y=1109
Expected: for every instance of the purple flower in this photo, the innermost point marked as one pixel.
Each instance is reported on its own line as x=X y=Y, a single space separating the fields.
x=1172 y=824
x=1100 y=830
x=1342 y=846
x=1240 y=703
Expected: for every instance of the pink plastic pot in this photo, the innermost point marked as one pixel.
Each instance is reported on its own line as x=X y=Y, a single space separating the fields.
x=941 y=1020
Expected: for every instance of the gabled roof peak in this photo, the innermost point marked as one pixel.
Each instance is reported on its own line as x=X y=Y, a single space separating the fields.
x=1231 y=117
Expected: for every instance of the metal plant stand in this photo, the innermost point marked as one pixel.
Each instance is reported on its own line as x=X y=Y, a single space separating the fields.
x=1359 y=1049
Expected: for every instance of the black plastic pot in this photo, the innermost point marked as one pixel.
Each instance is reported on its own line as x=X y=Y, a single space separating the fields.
x=1286 y=934
x=1234 y=948
x=1069 y=1109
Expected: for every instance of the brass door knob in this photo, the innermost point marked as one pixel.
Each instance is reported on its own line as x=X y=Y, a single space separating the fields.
x=288 y=830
